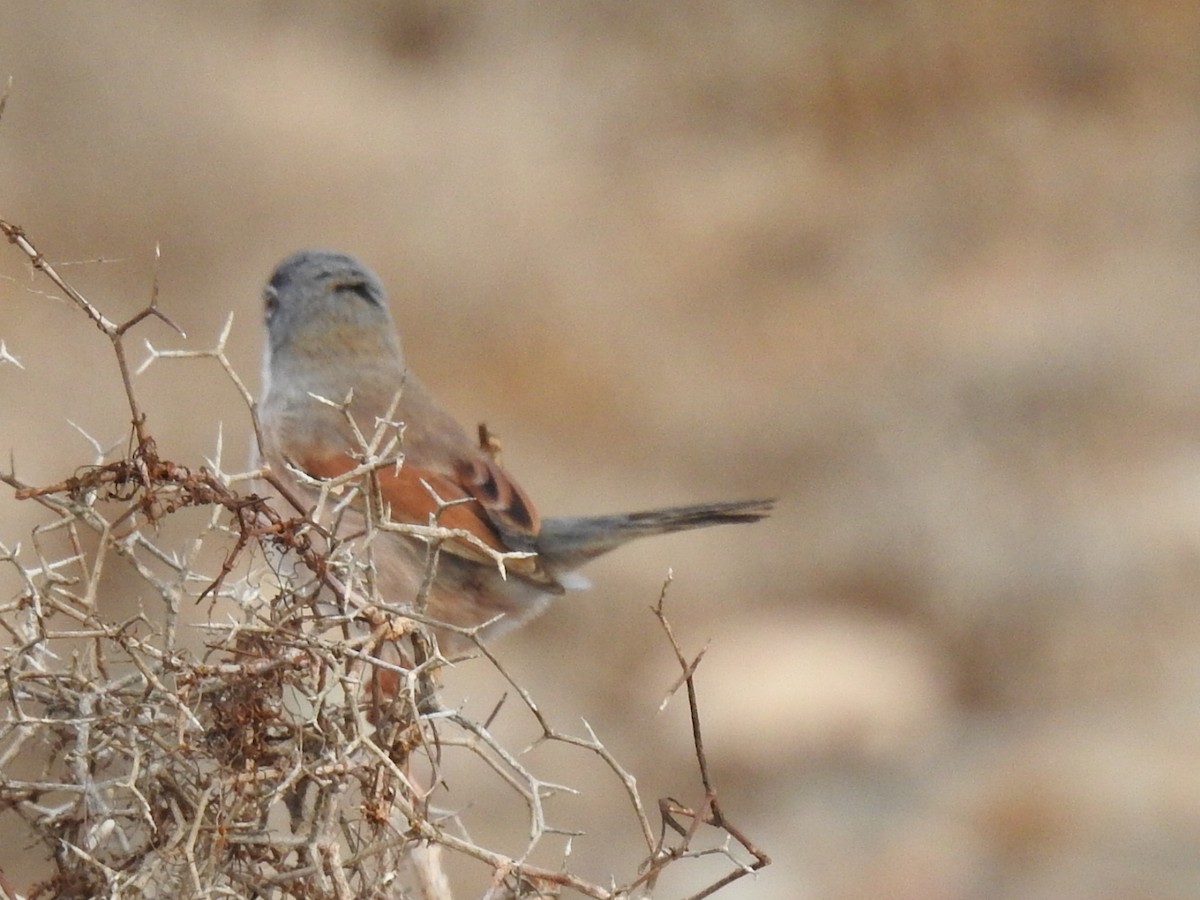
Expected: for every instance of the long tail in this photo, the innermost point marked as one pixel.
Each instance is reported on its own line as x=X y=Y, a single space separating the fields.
x=567 y=543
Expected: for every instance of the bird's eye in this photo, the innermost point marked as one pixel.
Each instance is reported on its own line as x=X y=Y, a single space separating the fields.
x=356 y=286
x=270 y=302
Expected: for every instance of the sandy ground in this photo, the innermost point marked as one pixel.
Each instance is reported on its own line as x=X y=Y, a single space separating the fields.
x=927 y=273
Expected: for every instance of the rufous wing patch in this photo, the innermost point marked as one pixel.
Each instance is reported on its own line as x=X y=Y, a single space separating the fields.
x=509 y=508
x=405 y=490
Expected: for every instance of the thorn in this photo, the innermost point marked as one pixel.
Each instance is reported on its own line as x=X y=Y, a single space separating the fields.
x=91 y=440
x=154 y=354
x=162 y=316
x=328 y=402
x=5 y=356
x=214 y=462
x=224 y=336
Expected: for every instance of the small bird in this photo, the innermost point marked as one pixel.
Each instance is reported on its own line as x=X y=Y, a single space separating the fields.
x=332 y=355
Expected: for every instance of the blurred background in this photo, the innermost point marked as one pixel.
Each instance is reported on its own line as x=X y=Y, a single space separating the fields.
x=927 y=272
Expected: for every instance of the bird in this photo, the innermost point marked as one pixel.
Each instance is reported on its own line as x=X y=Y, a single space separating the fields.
x=333 y=371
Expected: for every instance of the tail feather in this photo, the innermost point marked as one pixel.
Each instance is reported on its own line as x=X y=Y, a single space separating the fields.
x=566 y=543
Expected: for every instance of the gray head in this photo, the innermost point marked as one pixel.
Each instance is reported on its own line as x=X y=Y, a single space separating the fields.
x=325 y=304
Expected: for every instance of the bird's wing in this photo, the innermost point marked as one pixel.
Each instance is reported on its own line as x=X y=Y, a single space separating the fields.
x=483 y=499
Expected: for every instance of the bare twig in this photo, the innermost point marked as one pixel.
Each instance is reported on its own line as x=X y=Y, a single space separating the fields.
x=710 y=812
